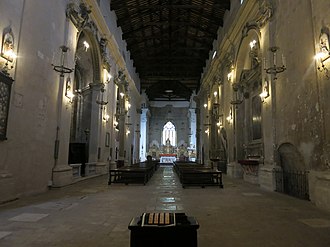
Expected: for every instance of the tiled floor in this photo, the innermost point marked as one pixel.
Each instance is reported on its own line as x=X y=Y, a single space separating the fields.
x=91 y=213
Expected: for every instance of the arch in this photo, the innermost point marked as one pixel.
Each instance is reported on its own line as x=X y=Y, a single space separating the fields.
x=94 y=51
x=290 y=158
x=86 y=74
x=169 y=134
x=243 y=61
x=248 y=87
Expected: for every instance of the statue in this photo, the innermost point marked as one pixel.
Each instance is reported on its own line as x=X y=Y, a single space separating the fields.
x=168 y=149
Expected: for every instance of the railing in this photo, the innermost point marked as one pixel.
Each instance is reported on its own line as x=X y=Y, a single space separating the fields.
x=294 y=183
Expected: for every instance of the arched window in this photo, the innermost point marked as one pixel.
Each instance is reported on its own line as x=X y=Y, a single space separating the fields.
x=169 y=133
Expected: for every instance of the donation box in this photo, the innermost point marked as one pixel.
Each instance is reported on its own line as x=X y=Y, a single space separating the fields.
x=163 y=229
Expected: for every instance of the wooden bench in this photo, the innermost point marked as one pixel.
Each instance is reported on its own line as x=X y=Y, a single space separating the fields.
x=198 y=175
x=138 y=173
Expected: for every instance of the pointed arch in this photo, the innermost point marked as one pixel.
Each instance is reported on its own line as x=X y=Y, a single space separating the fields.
x=169 y=133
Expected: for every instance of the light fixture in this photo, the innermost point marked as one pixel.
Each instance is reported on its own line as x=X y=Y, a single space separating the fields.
x=274 y=69
x=253 y=44
x=220 y=122
x=122 y=94
x=62 y=68
x=99 y=100
x=205 y=105
x=265 y=91
x=214 y=54
x=106 y=76
x=106 y=116
x=324 y=52
x=230 y=76
x=7 y=50
x=68 y=90
x=230 y=116
x=207 y=131
x=86 y=45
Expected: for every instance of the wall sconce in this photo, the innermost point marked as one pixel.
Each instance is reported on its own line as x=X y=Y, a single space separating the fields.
x=62 y=68
x=230 y=75
x=220 y=122
x=324 y=53
x=274 y=69
x=99 y=100
x=115 y=123
x=7 y=50
x=253 y=44
x=230 y=116
x=214 y=54
x=68 y=90
x=86 y=45
x=122 y=95
x=106 y=76
x=205 y=105
x=106 y=116
x=265 y=91
x=128 y=131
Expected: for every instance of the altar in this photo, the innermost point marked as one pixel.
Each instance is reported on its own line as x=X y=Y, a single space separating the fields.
x=167 y=158
x=168 y=155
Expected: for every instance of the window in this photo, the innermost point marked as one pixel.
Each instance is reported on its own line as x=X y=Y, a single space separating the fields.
x=5 y=88
x=169 y=133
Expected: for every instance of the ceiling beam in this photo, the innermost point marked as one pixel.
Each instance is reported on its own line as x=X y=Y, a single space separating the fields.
x=120 y=7
x=133 y=32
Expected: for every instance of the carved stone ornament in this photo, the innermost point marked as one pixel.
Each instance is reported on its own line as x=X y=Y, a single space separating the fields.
x=229 y=57
x=121 y=79
x=78 y=13
x=266 y=11
x=104 y=53
x=217 y=79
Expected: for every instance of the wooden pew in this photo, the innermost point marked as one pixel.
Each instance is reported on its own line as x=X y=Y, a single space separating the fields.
x=194 y=174
x=138 y=173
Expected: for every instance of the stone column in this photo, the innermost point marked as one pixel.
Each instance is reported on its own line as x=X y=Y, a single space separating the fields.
x=143 y=139
x=61 y=172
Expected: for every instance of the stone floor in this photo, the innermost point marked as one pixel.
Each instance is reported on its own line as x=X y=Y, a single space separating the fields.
x=91 y=213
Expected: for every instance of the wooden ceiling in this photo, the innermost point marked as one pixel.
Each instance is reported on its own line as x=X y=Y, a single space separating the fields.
x=169 y=41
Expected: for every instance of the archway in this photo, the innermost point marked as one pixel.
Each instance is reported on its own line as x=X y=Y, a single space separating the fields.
x=247 y=101
x=292 y=178
x=83 y=128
